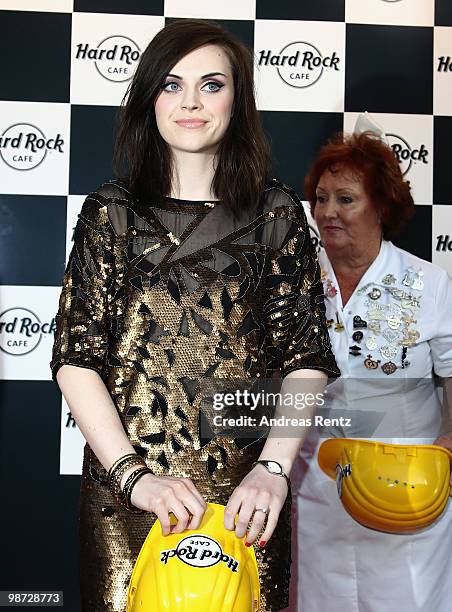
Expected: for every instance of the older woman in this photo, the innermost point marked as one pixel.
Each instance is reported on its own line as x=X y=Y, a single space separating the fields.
x=184 y=272
x=390 y=322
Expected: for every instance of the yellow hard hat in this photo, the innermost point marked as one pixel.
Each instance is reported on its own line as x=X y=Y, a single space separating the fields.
x=200 y=570
x=395 y=488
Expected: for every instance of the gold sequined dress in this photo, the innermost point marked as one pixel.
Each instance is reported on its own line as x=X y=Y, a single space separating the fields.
x=159 y=299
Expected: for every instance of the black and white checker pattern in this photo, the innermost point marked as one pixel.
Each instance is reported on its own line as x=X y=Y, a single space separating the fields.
x=318 y=64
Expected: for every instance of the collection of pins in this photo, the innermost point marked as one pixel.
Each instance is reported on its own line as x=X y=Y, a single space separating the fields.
x=393 y=322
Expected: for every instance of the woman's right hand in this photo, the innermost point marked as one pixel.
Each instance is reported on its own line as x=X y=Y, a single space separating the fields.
x=164 y=494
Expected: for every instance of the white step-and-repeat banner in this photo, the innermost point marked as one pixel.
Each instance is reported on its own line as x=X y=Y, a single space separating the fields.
x=66 y=66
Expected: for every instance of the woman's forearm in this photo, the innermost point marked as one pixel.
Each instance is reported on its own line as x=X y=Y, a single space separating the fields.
x=94 y=412
x=284 y=442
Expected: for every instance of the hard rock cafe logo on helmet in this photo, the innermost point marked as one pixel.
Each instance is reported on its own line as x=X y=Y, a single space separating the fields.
x=299 y=64
x=115 y=57
x=199 y=551
x=341 y=473
x=405 y=153
x=21 y=331
x=23 y=146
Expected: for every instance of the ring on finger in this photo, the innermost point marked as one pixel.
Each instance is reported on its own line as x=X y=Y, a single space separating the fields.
x=264 y=510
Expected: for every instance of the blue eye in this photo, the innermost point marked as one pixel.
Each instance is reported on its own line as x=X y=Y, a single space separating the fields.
x=171 y=86
x=212 y=86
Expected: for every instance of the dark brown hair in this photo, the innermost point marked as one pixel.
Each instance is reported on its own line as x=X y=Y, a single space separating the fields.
x=243 y=156
x=366 y=156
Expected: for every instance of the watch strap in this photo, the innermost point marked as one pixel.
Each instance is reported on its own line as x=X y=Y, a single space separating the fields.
x=264 y=463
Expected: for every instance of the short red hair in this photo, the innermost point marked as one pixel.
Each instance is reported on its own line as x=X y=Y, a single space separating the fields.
x=366 y=156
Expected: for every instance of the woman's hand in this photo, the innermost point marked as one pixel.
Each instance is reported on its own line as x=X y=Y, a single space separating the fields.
x=164 y=494
x=259 y=489
x=445 y=440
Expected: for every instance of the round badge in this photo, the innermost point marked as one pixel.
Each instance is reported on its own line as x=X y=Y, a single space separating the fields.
x=375 y=294
x=371 y=364
x=358 y=336
x=389 y=368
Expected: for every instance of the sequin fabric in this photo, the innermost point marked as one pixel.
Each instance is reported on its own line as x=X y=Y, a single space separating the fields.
x=160 y=300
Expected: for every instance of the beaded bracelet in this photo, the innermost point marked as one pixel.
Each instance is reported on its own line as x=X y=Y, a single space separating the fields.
x=128 y=488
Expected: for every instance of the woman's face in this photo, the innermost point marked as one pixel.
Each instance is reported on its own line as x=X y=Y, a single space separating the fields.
x=344 y=213
x=194 y=108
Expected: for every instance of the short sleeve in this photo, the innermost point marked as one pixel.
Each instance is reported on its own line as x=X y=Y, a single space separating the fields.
x=297 y=336
x=441 y=342
x=81 y=336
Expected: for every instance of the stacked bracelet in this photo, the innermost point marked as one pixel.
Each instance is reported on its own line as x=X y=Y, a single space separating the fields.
x=117 y=471
x=128 y=488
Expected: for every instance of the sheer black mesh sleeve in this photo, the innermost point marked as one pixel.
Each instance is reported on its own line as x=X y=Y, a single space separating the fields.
x=297 y=336
x=81 y=336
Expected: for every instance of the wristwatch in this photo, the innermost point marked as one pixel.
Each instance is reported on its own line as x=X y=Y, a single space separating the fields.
x=274 y=468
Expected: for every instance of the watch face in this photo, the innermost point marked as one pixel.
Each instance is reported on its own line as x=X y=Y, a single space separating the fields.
x=273 y=467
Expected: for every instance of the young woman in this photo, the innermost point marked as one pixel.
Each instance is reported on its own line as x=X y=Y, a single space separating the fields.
x=194 y=268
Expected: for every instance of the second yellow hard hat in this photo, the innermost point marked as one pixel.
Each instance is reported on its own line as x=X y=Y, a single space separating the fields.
x=389 y=487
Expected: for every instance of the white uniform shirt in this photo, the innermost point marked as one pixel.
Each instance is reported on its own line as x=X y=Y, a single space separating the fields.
x=397 y=331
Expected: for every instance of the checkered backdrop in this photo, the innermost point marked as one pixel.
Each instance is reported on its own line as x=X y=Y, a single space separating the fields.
x=66 y=65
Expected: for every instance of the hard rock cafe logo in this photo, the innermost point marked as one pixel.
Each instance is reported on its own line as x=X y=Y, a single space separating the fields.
x=21 y=330
x=445 y=64
x=315 y=238
x=24 y=146
x=199 y=551
x=300 y=64
x=405 y=153
x=444 y=243
x=115 y=57
x=341 y=473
